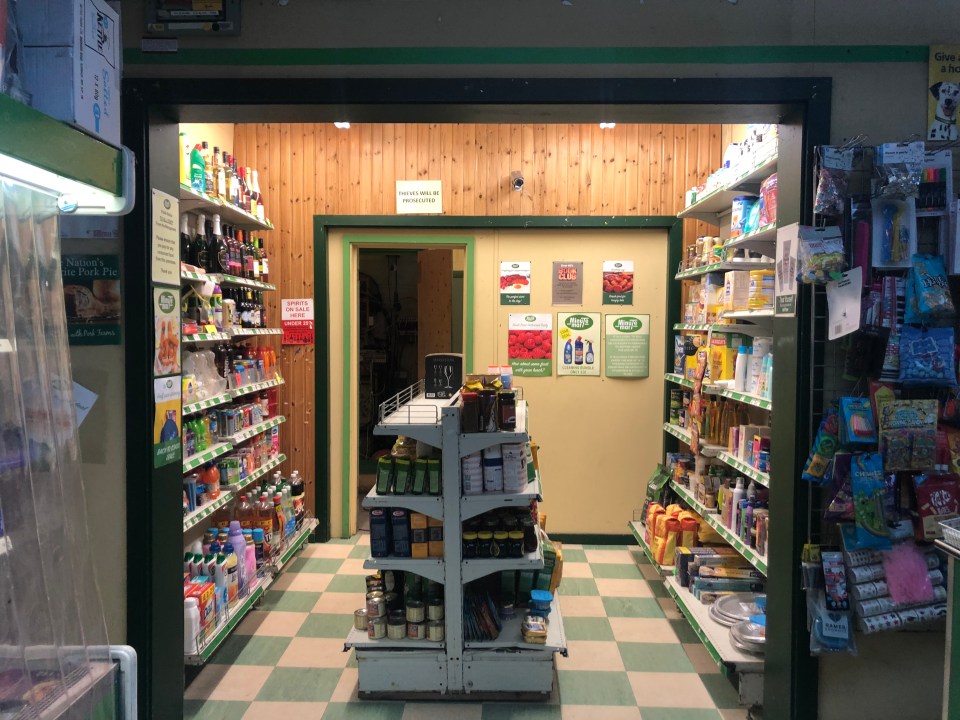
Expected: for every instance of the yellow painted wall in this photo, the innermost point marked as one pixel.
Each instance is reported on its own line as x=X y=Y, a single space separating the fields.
x=599 y=437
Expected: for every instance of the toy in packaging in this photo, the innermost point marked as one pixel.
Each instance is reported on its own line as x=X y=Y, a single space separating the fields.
x=840 y=507
x=894 y=232
x=938 y=499
x=926 y=356
x=869 y=490
x=824 y=448
x=857 y=426
x=931 y=290
x=835 y=166
x=820 y=255
x=898 y=167
x=908 y=434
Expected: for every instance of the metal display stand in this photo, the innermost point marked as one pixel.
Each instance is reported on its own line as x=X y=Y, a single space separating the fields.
x=507 y=664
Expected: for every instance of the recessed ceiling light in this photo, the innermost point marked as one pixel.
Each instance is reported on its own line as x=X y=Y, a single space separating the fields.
x=607 y=125
x=342 y=125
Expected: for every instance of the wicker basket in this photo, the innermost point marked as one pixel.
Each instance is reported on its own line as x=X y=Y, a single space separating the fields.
x=951 y=531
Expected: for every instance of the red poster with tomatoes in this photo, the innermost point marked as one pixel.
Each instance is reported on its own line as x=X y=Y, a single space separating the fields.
x=515 y=283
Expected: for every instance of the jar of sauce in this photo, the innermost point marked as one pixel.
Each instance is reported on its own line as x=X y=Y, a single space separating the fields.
x=469 y=412
x=507 y=410
x=499 y=547
x=515 y=544
x=469 y=544
x=529 y=535
x=484 y=544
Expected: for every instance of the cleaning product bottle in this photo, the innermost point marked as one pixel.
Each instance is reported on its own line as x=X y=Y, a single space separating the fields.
x=235 y=538
x=736 y=496
x=741 y=370
x=184 y=160
x=578 y=351
x=197 y=170
x=250 y=566
x=230 y=568
x=191 y=625
x=746 y=525
x=588 y=358
x=259 y=558
x=752 y=492
x=568 y=353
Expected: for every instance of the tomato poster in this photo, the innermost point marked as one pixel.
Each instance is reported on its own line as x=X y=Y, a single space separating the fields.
x=627 y=353
x=578 y=343
x=618 y=282
x=515 y=283
x=530 y=345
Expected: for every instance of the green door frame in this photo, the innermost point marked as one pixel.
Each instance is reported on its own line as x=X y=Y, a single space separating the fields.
x=324 y=224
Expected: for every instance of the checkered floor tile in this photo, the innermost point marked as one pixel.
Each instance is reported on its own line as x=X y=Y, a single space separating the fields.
x=631 y=654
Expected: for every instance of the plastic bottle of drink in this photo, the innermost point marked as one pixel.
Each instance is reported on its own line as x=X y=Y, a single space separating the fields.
x=265 y=523
x=278 y=524
x=291 y=519
x=247 y=513
x=297 y=490
x=250 y=558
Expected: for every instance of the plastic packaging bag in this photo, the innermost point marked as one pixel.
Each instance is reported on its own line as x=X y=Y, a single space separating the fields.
x=898 y=167
x=931 y=289
x=825 y=446
x=869 y=503
x=820 y=255
x=832 y=182
x=926 y=356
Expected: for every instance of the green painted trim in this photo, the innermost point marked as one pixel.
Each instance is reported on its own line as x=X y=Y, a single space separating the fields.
x=468 y=306
x=346 y=426
x=594 y=539
x=321 y=417
x=38 y=139
x=953 y=644
x=725 y=55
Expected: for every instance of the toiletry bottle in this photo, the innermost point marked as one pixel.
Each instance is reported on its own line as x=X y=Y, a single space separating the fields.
x=258 y=554
x=735 y=497
x=588 y=358
x=250 y=566
x=746 y=525
x=230 y=567
x=752 y=492
x=235 y=538
x=191 y=625
x=578 y=351
x=740 y=370
x=197 y=170
x=568 y=353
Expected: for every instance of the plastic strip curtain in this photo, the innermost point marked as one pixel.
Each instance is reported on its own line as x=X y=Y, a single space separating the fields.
x=50 y=608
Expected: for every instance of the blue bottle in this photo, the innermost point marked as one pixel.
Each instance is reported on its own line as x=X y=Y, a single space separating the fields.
x=568 y=353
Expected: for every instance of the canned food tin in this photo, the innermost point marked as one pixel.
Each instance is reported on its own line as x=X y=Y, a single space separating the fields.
x=435 y=630
x=396 y=630
x=435 y=610
x=416 y=631
x=360 y=619
x=377 y=628
x=376 y=605
x=415 y=611
x=398 y=614
x=393 y=601
x=374 y=582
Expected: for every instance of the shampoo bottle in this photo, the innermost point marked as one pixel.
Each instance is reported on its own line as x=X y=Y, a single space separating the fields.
x=746 y=525
x=736 y=497
x=741 y=369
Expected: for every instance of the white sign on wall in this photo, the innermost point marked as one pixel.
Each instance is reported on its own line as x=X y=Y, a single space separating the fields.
x=419 y=197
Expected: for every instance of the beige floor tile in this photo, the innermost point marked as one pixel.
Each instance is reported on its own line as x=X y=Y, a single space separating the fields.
x=646 y=630
x=577 y=570
x=581 y=605
x=700 y=659
x=272 y=623
x=615 y=587
x=591 y=655
x=599 y=712
x=309 y=582
x=228 y=682
x=622 y=557
x=572 y=546
x=353 y=566
x=738 y=714
x=648 y=571
x=314 y=653
x=669 y=690
x=442 y=711
x=327 y=551
x=283 y=582
x=343 y=603
x=275 y=710
x=670 y=609
x=346 y=689
x=364 y=539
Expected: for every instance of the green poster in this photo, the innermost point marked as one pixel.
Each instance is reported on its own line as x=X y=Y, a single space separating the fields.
x=91 y=294
x=530 y=345
x=167 y=447
x=628 y=346
x=578 y=344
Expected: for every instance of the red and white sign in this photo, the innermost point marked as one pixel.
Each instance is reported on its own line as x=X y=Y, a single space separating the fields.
x=296 y=316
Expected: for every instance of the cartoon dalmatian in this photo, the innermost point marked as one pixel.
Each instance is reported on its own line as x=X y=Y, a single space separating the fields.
x=944 y=125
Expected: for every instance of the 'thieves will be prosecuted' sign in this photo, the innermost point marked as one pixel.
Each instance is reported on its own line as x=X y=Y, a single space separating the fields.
x=419 y=197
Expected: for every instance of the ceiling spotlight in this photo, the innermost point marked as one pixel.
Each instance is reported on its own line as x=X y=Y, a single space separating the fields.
x=607 y=125
x=342 y=125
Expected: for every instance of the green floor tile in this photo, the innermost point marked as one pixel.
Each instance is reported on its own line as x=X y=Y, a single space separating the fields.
x=632 y=607
x=659 y=590
x=615 y=571
x=250 y=650
x=344 y=541
x=655 y=657
x=724 y=695
x=685 y=633
x=639 y=557
x=603 y=547
x=678 y=714
x=360 y=551
x=593 y=687
x=587 y=628
x=347 y=583
x=574 y=586
x=352 y=661
x=364 y=710
x=574 y=555
x=299 y=685
x=519 y=711
x=320 y=625
x=213 y=709
x=289 y=600
x=315 y=565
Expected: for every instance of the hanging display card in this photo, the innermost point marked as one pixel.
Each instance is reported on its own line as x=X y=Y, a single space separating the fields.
x=843 y=303
x=166 y=332
x=515 y=283
x=91 y=294
x=530 y=345
x=165 y=245
x=167 y=448
x=567 y=283
x=578 y=343
x=627 y=351
x=618 y=282
x=785 y=289
x=943 y=76
x=296 y=318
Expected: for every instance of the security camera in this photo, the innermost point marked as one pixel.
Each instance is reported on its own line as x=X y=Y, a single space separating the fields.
x=517 y=179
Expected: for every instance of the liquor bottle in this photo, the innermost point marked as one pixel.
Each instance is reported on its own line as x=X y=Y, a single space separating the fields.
x=215 y=172
x=264 y=264
x=207 y=169
x=218 y=253
x=250 y=271
x=243 y=198
x=236 y=260
x=234 y=185
x=263 y=310
x=185 y=238
x=251 y=192
x=226 y=183
x=261 y=213
x=198 y=249
x=241 y=254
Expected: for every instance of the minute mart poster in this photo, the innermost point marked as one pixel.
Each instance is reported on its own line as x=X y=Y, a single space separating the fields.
x=578 y=344
x=627 y=353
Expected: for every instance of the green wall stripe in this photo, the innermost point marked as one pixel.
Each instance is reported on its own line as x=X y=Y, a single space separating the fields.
x=726 y=55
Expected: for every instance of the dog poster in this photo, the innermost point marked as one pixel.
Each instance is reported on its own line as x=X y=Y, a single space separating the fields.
x=943 y=92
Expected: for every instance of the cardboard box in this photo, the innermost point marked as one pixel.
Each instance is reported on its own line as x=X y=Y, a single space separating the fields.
x=736 y=290
x=71 y=65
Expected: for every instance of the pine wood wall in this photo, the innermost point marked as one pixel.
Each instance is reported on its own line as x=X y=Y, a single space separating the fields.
x=316 y=169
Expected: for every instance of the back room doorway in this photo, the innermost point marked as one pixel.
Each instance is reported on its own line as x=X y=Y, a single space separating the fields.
x=409 y=304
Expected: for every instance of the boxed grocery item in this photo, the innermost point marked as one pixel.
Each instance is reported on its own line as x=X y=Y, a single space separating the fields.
x=204 y=591
x=736 y=290
x=72 y=65
x=723 y=356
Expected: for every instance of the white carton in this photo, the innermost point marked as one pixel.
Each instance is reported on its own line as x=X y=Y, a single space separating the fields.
x=74 y=77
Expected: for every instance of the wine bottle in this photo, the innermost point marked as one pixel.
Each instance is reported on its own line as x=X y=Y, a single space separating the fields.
x=198 y=249
x=226 y=178
x=219 y=256
x=261 y=213
x=185 y=238
x=264 y=263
